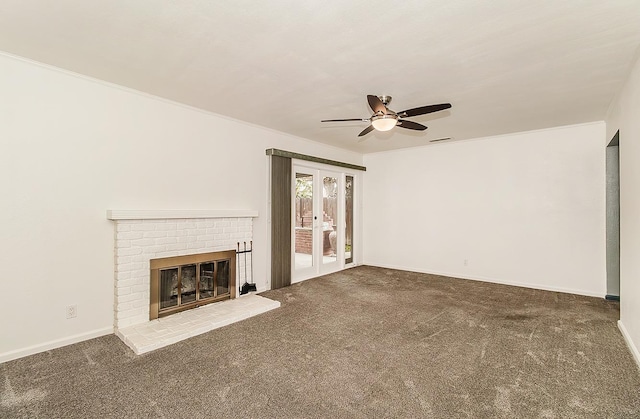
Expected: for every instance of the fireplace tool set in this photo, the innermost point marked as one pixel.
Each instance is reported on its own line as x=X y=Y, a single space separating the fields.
x=247 y=286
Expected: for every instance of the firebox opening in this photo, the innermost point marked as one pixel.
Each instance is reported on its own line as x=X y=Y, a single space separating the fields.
x=184 y=282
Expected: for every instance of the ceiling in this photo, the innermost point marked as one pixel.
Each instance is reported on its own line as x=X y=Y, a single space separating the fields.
x=505 y=65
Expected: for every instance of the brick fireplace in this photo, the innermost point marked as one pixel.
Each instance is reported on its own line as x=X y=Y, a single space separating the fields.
x=141 y=236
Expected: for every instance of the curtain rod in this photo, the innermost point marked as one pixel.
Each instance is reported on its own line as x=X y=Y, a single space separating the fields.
x=291 y=155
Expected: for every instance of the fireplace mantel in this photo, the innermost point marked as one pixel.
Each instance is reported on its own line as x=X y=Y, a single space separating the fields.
x=177 y=214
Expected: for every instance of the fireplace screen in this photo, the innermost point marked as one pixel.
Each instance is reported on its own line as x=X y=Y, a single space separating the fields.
x=183 y=282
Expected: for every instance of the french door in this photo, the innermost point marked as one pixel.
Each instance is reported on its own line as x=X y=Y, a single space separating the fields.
x=318 y=222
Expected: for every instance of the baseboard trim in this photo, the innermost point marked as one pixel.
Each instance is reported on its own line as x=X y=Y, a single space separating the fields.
x=632 y=348
x=53 y=344
x=493 y=280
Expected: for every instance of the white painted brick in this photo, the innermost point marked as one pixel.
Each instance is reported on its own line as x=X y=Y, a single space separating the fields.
x=140 y=258
x=177 y=246
x=126 y=267
x=140 y=265
x=133 y=314
x=140 y=273
x=123 y=260
x=122 y=275
x=143 y=227
x=185 y=225
x=222 y=223
x=121 y=228
x=130 y=267
x=154 y=234
x=127 y=298
x=155 y=249
x=143 y=242
x=167 y=240
x=130 y=282
x=167 y=254
x=121 y=291
x=130 y=235
x=204 y=223
x=230 y=229
x=125 y=306
x=221 y=236
x=169 y=226
x=140 y=288
x=129 y=251
x=120 y=244
x=140 y=303
x=187 y=239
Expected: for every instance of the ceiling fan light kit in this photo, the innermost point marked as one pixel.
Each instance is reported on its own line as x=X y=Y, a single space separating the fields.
x=384 y=122
x=384 y=119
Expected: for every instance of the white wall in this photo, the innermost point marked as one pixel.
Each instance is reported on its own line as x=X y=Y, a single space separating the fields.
x=624 y=115
x=73 y=147
x=525 y=209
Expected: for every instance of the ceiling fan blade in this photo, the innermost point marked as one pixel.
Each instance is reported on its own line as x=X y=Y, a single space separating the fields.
x=440 y=139
x=345 y=120
x=424 y=110
x=411 y=125
x=376 y=104
x=366 y=131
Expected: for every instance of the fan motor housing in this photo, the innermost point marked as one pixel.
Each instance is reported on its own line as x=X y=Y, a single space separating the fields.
x=386 y=100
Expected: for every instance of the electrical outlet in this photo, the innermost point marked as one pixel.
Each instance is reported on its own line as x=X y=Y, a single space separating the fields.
x=72 y=311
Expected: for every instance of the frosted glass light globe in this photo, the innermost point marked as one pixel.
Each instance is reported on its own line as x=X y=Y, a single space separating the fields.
x=384 y=122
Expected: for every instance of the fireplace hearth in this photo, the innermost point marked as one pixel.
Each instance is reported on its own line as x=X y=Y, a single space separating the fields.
x=184 y=282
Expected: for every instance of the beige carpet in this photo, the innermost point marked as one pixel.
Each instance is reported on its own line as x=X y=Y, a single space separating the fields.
x=366 y=342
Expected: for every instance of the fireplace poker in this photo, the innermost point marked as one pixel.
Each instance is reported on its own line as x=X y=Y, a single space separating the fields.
x=238 y=266
x=246 y=287
x=245 y=263
x=251 y=262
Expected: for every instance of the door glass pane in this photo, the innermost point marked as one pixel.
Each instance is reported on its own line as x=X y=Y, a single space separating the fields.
x=222 y=280
x=206 y=280
x=329 y=219
x=188 y=289
x=348 y=211
x=304 y=221
x=168 y=287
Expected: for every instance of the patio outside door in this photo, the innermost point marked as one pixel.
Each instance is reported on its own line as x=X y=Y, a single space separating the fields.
x=318 y=229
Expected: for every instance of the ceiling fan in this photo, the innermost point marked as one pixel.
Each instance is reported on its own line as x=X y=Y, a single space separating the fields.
x=384 y=119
